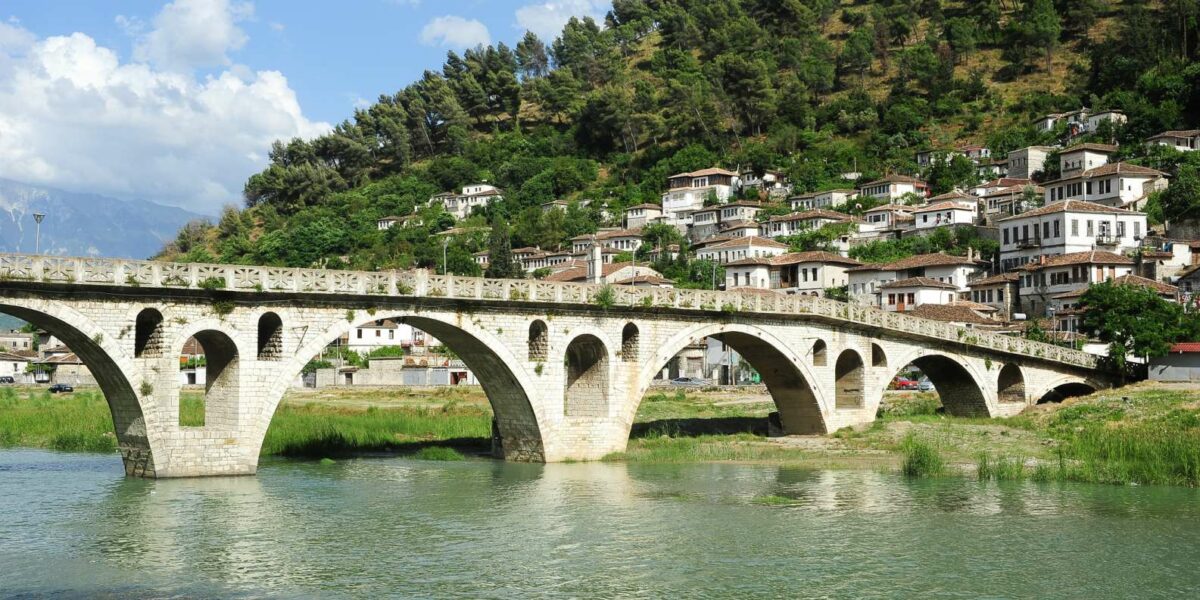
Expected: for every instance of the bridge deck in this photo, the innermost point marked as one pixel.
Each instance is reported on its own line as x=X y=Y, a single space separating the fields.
x=107 y=272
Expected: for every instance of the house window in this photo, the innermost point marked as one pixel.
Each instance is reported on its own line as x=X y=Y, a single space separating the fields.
x=360 y=334
x=891 y=299
x=1056 y=229
x=1074 y=226
x=1120 y=229
x=1046 y=229
x=1000 y=295
x=1090 y=229
x=1006 y=236
x=1137 y=229
x=912 y=298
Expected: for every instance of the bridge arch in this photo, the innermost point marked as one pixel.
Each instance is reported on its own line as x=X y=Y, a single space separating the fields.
x=849 y=380
x=222 y=382
x=631 y=341
x=588 y=383
x=789 y=379
x=878 y=356
x=270 y=336
x=1010 y=384
x=539 y=340
x=109 y=363
x=499 y=371
x=148 y=333
x=1060 y=388
x=820 y=353
x=958 y=384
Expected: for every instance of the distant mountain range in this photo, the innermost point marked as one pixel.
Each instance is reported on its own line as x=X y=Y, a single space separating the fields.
x=85 y=224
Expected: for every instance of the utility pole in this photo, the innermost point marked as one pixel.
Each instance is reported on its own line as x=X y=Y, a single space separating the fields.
x=37 y=237
x=445 y=245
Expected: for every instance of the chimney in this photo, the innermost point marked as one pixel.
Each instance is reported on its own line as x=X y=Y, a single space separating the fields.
x=595 y=264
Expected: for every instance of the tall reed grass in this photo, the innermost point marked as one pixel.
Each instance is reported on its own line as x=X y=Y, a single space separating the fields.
x=921 y=458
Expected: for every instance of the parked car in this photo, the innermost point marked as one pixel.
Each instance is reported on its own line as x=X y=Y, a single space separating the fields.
x=61 y=388
x=925 y=385
x=904 y=383
x=688 y=381
x=7 y=379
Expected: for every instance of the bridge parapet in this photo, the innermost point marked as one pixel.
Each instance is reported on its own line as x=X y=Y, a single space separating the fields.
x=420 y=283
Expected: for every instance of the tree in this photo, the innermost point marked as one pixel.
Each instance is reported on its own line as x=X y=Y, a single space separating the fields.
x=1036 y=27
x=501 y=263
x=1181 y=201
x=532 y=57
x=857 y=53
x=1135 y=320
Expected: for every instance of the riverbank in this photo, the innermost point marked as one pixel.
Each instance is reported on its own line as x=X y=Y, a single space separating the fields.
x=1145 y=433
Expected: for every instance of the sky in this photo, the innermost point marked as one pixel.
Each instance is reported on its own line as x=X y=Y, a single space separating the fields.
x=178 y=102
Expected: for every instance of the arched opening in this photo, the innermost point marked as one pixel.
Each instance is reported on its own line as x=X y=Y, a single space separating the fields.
x=586 y=392
x=148 y=334
x=819 y=354
x=758 y=360
x=957 y=390
x=1066 y=390
x=129 y=424
x=423 y=352
x=213 y=357
x=849 y=380
x=270 y=337
x=630 y=340
x=878 y=357
x=539 y=340
x=1010 y=386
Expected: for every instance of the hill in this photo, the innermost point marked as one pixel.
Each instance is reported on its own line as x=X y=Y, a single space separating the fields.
x=604 y=113
x=84 y=224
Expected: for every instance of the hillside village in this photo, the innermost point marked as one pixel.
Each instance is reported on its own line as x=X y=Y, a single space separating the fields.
x=980 y=163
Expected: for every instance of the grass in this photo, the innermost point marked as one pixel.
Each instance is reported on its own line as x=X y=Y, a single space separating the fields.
x=1144 y=434
x=921 y=459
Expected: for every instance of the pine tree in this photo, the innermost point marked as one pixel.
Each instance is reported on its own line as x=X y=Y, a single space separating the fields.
x=501 y=264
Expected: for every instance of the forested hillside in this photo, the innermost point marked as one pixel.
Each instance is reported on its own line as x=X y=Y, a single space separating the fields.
x=814 y=88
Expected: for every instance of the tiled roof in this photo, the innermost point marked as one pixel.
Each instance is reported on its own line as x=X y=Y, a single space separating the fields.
x=951 y=313
x=792 y=258
x=1185 y=347
x=889 y=207
x=921 y=260
x=918 y=282
x=1119 y=168
x=952 y=195
x=1091 y=147
x=646 y=205
x=893 y=179
x=947 y=205
x=748 y=241
x=1071 y=206
x=654 y=279
x=1087 y=257
x=703 y=172
x=816 y=213
x=607 y=235
x=815 y=194
x=9 y=356
x=994 y=280
x=1159 y=287
x=1177 y=133
x=1005 y=182
x=738 y=224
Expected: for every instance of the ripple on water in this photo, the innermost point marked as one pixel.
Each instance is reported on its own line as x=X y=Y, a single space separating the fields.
x=73 y=525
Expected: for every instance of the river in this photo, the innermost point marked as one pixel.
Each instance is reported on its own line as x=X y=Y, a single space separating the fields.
x=72 y=525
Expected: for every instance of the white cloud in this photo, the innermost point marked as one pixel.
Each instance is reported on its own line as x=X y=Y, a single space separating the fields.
x=14 y=38
x=547 y=19
x=189 y=34
x=73 y=116
x=455 y=32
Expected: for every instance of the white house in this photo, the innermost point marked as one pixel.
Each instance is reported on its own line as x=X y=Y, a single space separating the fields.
x=785 y=225
x=386 y=223
x=1011 y=200
x=1116 y=117
x=1081 y=157
x=641 y=215
x=686 y=193
x=804 y=273
x=997 y=291
x=387 y=332
x=1068 y=227
x=1067 y=313
x=906 y=294
x=774 y=183
x=472 y=197
x=1182 y=140
x=888 y=216
x=1114 y=184
x=1050 y=276
x=13 y=365
x=893 y=187
x=739 y=248
x=1024 y=162
x=866 y=281
x=952 y=209
x=824 y=199
x=622 y=240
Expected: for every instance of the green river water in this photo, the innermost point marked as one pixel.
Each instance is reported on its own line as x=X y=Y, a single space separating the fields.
x=71 y=525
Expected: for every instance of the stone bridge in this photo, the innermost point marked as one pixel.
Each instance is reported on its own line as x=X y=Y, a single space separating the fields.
x=564 y=366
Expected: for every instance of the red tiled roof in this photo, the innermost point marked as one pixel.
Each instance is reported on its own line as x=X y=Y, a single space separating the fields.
x=1087 y=257
x=1091 y=147
x=994 y=279
x=918 y=282
x=921 y=260
x=816 y=213
x=947 y=205
x=1161 y=288
x=951 y=313
x=1185 y=347
x=1071 y=206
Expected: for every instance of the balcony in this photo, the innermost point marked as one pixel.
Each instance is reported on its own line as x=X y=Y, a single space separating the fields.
x=1106 y=240
x=1029 y=243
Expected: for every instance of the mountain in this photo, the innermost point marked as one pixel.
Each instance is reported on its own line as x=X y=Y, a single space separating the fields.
x=84 y=224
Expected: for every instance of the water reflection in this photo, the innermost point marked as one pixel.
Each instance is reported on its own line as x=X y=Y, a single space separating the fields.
x=72 y=524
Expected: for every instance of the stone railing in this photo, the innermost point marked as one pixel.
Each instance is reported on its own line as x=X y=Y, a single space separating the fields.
x=420 y=283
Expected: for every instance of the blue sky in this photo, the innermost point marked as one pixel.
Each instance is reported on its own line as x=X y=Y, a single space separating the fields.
x=192 y=91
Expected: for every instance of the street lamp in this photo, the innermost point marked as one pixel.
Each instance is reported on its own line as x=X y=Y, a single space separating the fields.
x=445 y=245
x=37 y=237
